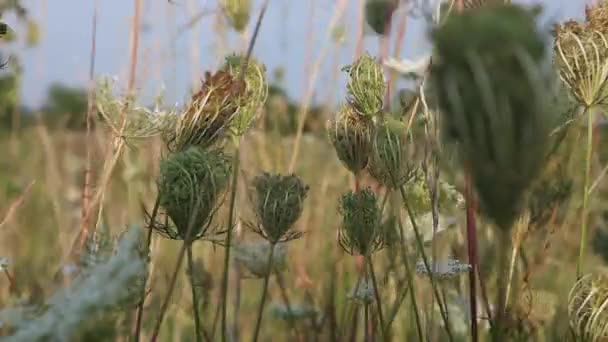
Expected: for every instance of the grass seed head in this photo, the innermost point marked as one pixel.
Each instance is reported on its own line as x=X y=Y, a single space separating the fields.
x=254 y=95
x=278 y=201
x=237 y=12
x=190 y=186
x=361 y=231
x=493 y=89
x=366 y=85
x=351 y=135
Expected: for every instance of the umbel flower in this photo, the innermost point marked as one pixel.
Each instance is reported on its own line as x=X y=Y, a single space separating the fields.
x=237 y=13
x=366 y=85
x=493 y=90
x=587 y=308
x=351 y=135
x=190 y=186
x=379 y=13
x=361 y=230
x=392 y=162
x=278 y=204
x=254 y=95
x=209 y=113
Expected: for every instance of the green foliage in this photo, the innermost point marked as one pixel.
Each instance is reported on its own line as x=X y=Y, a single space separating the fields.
x=65 y=107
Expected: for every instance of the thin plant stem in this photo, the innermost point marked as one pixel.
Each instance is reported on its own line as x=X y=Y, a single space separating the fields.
x=585 y=213
x=235 y=173
x=410 y=281
x=285 y=296
x=173 y=281
x=366 y=323
x=258 y=323
x=442 y=310
x=503 y=264
x=197 y=318
x=472 y=254
x=383 y=328
x=86 y=191
x=142 y=298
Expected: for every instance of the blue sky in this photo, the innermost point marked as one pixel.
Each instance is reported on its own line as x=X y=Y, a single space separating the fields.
x=63 y=53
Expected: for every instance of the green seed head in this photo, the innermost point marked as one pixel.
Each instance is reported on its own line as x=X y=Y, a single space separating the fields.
x=366 y=85
x=493 y=90
x=190 y=185
x=392 y=162
x=361 y=231
x=254 y=95
x=351 y=135
x=237 y=12
x=278 y=201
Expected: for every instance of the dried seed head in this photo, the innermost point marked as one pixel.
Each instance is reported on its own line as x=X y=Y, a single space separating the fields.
x=209 y=113
x=379 y=14
x=366 y=85
x=254 y=95
x=278 y=202
x=597 y=16
x=581 y=51
x=392 y=162
x=361 y=230
x=237 y=12
x=587 y=309
x=350 y=134
x=190 y=185
x=493 y=89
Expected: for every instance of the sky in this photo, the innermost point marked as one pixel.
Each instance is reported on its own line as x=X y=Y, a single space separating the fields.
x=169 y=63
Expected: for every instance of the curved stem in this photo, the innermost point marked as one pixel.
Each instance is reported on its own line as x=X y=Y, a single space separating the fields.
x=235 y=173
x=585 y=214
x=197 y=318
x=258 y=323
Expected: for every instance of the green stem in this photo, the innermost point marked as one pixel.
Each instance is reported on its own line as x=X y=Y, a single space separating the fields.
x=197 y=318
x=442 y=310
x=503 y=264
x=383 y=328
x=583 y=239
x=235 y=173
x=142 y=297
x=410 y=281
x=292 y=321
x=258 y=323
